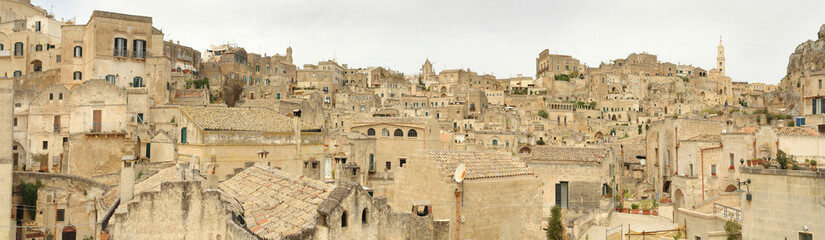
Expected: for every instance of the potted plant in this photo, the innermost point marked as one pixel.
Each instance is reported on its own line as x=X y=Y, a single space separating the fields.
x=619 y=207
x=625 y=210
x=635 y=207
x=655 y=206
x=731 y=167
x=713 y=174
x=749 y=162
x=766 y=164
x=645 y=207
x=813 y=165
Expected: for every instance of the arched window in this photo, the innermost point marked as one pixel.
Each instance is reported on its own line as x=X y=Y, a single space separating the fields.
x=77 y=75
x=78 y=51
x=370 y=132
x=385 y=132
x=412 y=133
x=18 y=73
x=398 y=133
x=38 y=48
x=495 y=142
x=1 y=46
x=364 y=216
x=344 y=219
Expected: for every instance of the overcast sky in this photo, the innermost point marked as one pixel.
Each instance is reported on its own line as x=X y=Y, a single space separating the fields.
x=498 y=37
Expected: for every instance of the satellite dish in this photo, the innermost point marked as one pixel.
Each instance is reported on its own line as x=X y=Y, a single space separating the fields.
x=459 y=173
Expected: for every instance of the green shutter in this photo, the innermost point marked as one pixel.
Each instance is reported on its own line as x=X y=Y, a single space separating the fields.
x=183 y=135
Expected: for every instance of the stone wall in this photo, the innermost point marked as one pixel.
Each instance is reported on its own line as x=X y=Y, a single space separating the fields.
x=91 y=155
x=584 y=183
x=180 y=210
x=783 y=202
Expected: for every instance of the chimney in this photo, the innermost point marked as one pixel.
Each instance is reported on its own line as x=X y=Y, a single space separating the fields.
x=127 y=179
x=211 y=177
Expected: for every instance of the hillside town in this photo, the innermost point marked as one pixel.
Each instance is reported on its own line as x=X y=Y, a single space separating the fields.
x=115 y=131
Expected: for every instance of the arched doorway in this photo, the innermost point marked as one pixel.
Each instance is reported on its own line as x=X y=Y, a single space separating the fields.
x=69 y=233
x=525 y=150
x=678 y=199
x=37 y=66
x=614 y=118
x=730 y=188
x=18 y=155
x=598 y=135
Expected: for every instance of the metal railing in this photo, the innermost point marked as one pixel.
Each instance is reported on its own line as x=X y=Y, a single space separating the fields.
x=139 y=54
x=726 y=212
x=120 y=52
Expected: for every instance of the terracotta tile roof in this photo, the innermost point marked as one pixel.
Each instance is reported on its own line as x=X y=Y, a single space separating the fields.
x=276 y=204
x=796 y=131
x=480 y=164
x=707 y=137
x=242 y=119
x=151 y=184
x=569 y=154
x=748 y=130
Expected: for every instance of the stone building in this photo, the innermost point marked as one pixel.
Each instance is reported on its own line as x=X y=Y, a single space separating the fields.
x=236 y=135
x=29 y=39
x=782 y=204
x=397 y=140
x=499 y=197
x=574 y=177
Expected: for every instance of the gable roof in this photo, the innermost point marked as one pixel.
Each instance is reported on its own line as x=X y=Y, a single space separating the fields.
x=480 y=164
x=276 y=204
x=569 y=154
x=241 y=119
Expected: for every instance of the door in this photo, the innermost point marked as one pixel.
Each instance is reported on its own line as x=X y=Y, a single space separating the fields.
x=183 y=135
x=561 y=194
x=57 y=123
x=96 y=119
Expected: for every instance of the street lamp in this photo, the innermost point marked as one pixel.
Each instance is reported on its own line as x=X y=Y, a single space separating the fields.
x=747 y=185
x=262 y=156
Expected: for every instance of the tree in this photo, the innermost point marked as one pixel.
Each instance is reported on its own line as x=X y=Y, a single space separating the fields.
x=555 y=230
x=29 y=192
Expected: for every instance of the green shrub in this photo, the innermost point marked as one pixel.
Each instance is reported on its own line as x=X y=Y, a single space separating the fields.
x=555 y=230
x=543 y=114
x=540 y=142
x=734 y=230
x=29 y=192
x=635 y=206
x=562 y=77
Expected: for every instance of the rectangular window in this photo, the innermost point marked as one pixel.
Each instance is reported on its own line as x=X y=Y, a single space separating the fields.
x=139 y=48
x=140 y=117
x=37 y=26
x=713 y=169
x=15 y=122
x=402 y=162
x=61 y=215
x=806 y=236
x=120 y=47
x=60 y=96
x=110 y=78
x=78 y=51
x=77 y=75
x=45 y=145
x=731 y=160
x=183 y=135
x=389 y=165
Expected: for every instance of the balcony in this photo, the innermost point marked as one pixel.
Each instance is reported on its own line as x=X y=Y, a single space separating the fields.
x=139 y=54
x=120 y=52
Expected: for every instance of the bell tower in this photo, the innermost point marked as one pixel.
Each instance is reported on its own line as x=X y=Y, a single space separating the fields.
x=720 y=58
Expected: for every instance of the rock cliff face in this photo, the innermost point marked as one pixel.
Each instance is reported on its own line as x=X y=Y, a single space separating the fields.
x=810 y=55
